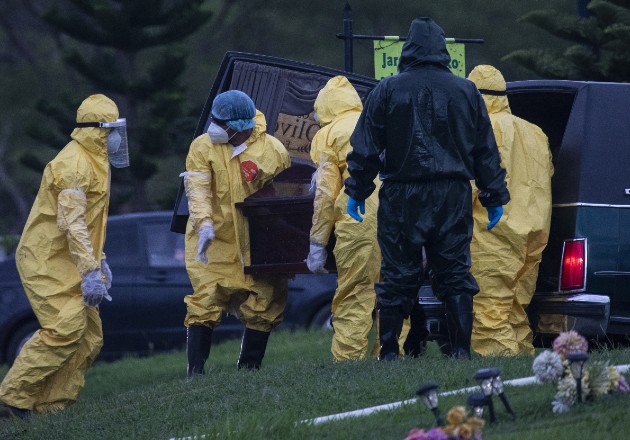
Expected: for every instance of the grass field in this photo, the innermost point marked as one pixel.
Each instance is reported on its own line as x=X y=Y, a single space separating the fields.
x=149 y=398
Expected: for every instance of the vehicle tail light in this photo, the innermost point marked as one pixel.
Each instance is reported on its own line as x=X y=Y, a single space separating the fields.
x=573 y=269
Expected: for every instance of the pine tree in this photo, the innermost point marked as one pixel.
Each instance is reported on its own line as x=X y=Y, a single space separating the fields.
x=132 y=52
x=599 y=41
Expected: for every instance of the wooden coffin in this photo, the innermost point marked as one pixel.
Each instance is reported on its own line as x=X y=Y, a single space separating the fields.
x=279 y=217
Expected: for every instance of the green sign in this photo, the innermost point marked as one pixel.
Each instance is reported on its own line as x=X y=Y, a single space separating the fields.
x=387 y=54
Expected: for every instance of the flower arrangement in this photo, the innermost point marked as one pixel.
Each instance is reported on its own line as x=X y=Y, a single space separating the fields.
x=598 y=378
x=459 y=427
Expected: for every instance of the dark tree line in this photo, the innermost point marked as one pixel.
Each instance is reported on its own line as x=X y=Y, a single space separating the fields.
x=157 y=59
x=598 y=38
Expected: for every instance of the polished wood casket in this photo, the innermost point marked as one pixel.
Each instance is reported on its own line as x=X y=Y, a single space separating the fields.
x=279 y=217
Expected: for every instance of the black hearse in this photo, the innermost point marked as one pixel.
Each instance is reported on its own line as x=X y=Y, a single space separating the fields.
x=585 y=269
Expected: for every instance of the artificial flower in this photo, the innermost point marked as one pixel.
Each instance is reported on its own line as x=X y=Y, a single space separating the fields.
x=623 y=385
x=567 y=391
x=617 y=381
x=547 y=367
x=456 y=415
x=569 y=342
x=462 y=427
x=596 y=380
x=432 y=434
x=465 y=431
x=615 y=376
x=559 y=407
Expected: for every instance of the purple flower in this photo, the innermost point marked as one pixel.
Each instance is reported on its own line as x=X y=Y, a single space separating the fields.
x=569 y=342
x=436 y=434
x=622 y=386
x=420 y=434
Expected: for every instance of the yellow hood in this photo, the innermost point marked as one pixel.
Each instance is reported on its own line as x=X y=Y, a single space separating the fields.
x=95 y=108
x=488 y=78
x=336 y=98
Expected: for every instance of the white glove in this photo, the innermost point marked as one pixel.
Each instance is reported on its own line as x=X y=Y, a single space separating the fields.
x=107 y=273
x=206 y=235
x=316 y=258
x=94 y=289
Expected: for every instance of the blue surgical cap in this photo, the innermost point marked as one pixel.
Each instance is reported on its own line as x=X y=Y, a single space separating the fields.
x=234 y=108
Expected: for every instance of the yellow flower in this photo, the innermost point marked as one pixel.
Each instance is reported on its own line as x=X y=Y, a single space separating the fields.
x=614 y=378
x=465 y=431
x=449 y=430
x=476 y=424
x=456 y=415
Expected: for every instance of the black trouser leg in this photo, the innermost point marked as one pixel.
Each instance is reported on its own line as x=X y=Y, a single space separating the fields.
x=253 y=348
x=390 y=321
x=415 y=344
x=198 y=342
x=459 y=314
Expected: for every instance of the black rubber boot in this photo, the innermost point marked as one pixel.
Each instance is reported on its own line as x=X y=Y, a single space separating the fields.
x=198 y=342
x=253 y=349
x=459 y=315
x=416 y=342
x=390 y=321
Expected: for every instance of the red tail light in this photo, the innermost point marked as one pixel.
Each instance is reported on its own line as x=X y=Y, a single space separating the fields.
x=573 y=270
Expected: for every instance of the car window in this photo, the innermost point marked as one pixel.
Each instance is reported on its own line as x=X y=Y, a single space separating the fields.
x=121 y=245
x=165 y=248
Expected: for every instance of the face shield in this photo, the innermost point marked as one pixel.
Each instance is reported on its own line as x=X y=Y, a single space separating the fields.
x=117 y=147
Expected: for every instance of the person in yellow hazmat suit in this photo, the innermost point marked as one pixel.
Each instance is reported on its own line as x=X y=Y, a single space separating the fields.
x=232 y=160
x=62 y=265
x=357 y=254
x=505 y=261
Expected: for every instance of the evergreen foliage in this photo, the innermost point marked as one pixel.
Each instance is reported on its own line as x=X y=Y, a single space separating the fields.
x=599 y=43
x=54 y=53
x=132 y=52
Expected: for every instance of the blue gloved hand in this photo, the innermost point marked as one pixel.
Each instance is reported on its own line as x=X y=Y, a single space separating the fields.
x=494 y=215
x=353 y=208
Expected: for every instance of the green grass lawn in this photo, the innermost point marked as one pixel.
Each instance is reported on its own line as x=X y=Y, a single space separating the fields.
x=149 y=398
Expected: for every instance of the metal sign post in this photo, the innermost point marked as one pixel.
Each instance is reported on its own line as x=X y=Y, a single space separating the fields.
x=348 y=36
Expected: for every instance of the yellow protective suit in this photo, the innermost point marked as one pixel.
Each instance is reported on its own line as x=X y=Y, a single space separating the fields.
x=63 y=239
x=357 y=254
x=505 y=260
x=214 y=182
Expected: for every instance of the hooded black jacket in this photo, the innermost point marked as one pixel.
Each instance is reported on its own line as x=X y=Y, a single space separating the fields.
x=425 y=123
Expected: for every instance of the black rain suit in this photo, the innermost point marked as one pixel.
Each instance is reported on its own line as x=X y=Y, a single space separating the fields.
x=428 y=133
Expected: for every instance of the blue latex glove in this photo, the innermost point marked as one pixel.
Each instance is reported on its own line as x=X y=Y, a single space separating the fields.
x=353 y=208
x=494 y=215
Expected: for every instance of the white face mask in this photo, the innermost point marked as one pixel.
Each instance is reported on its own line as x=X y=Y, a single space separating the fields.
x=218 y=135
x=113 y=141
